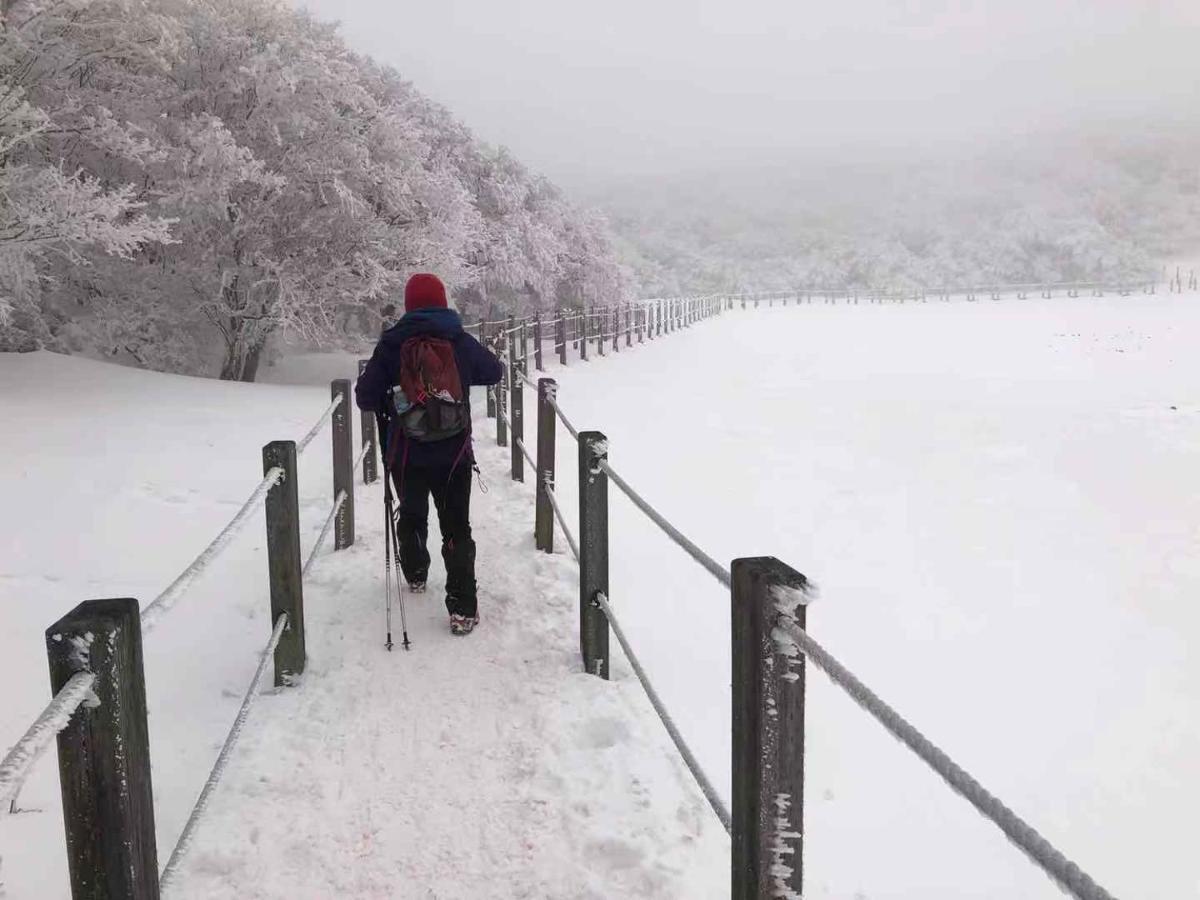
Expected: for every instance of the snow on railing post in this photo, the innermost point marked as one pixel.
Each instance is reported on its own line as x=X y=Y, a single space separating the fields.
x=768 y=731
x=283 y=560
x=593 y=552
x=491 y=390
x=343 y=465
x=369 y=436
x=537 y=343
x=516 y=393
x=502 y=391
x=104 y=753
x=547 y=422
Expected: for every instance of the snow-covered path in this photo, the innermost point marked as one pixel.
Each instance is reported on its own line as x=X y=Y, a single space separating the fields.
x=488 y=766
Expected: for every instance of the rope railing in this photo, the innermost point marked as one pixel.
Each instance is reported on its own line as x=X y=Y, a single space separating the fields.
x=15 y=766
x=303 y=443
x=532 y=462
x=325 y=529
x=218 y=769
x=689 y=758
x=562 y=417
x=167 y=599
x=714 y=568
x=1066 y=873
x=562 y=522
x=362 y=454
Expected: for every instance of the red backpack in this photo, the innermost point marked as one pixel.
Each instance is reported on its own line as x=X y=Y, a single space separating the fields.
x=429 y=400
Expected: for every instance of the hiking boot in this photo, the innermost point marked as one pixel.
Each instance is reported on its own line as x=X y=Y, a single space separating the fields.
x=461 y=625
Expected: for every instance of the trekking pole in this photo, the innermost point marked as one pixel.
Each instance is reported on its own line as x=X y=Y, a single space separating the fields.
x=392 y=539
x=387 y=562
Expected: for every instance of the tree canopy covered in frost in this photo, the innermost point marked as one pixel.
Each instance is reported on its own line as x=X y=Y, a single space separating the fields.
x=184 y=179
x=1071 y=208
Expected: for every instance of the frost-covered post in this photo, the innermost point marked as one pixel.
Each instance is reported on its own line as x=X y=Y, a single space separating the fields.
x=502 y=398
x=491 y=391
x=537 y=343
x=343 y=464
x=368 y=429
x=543 y=528
x=593 y=552
x=516 y=394
x=104 y=753
x=283 y=559
x=768 y=731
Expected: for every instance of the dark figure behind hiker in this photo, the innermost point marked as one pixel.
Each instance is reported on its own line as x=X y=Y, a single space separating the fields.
x=419 y=382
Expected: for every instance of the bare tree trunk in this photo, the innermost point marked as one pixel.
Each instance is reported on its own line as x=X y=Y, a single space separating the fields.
x=244 y=345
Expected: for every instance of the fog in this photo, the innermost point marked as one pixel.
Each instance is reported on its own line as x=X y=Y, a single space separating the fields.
x=588 y=93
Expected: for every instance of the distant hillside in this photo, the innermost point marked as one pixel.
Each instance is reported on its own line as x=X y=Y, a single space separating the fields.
x=1069 y=209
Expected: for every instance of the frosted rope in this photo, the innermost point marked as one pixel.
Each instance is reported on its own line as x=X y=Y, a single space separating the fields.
x=716 y=569
x=362 y=454
x=218 y=769
x=325 y=529
x=532 y=462
x=693 y=765
x=325 y=416
x=553 y=401
x=167 y=599
x=15 y=766
x=562 y=522
x=1066 y=873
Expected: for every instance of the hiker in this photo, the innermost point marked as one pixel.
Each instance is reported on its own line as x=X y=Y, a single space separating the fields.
x=418 y=383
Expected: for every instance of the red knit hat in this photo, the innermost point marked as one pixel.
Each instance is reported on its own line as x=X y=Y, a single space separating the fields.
x=424 y=291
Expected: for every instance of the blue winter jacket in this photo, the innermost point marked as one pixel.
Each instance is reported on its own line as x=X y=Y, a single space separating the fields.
x=476 y=366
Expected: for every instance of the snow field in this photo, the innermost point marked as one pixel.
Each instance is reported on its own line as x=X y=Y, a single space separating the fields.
x=995 y=500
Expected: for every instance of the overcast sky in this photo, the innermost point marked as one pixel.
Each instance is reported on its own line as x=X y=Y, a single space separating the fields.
x=589 y=91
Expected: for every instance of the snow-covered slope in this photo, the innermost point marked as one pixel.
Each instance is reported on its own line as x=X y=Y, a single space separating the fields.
x=996 y=499
x=466 y=768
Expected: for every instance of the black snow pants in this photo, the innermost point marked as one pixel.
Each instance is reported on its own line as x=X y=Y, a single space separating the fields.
x=450 y=487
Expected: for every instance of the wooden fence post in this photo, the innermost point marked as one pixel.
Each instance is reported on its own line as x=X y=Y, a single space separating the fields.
x=104 y=753
x=343 y=464
x=543 y=528
x=616 y=327
x=368 y=429
x=490 y=390
x=600 y=318
x=582 y=333
x=628 y=325
x=516 y=394
x=593 y=552
x=537 y=342
x=768 y=733
x=560 y=331
x=283 y=560
x=524 y=342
